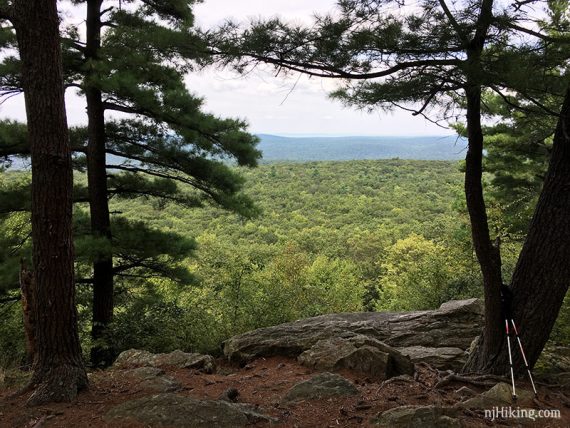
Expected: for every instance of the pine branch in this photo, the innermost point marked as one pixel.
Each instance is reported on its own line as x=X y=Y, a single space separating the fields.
x=536 y=34
x=337 y=73
x=462 y=36
x=154 y=173
x=163 y=117
x=146 y=193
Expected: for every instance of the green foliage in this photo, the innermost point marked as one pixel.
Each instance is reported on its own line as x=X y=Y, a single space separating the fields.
x=327 y=233
x=518 y=151
x=422 y=274
x=164 y=141
x=12 y=346
x=333 y=237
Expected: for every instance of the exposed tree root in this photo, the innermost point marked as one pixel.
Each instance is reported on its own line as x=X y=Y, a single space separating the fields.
x=477 y=380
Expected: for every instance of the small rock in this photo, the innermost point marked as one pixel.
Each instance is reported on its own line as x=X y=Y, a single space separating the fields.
x=230 y=394
x=418 y=417
x=152 y=378
x=499 y=395
x=360 y=353
x=324 y=385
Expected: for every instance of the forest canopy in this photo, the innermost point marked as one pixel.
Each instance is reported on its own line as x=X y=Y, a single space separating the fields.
x=146 y=218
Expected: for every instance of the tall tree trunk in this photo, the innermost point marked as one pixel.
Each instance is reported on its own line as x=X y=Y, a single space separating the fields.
x=542 y=275
x=488 y=254
x=101 y=355
x=58 y=367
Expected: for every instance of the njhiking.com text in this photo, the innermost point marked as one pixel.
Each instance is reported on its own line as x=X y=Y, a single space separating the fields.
x=508 y=412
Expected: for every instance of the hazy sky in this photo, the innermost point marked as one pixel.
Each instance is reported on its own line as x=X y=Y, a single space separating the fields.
x=296 y=105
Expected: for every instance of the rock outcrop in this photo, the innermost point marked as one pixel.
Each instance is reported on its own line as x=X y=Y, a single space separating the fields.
x=439 y=337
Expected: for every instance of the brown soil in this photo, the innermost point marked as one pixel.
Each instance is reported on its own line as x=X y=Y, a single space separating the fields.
x=263 y=383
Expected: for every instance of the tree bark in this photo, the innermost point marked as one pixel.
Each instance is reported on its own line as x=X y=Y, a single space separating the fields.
x=101 y=354
x=542 y=275
x=58 y=367
x=27 y=290
x=488 y=254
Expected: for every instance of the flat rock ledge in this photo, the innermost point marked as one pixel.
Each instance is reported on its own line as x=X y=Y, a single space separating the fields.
x=439 y=337
x=134 y=358
x=175 y=411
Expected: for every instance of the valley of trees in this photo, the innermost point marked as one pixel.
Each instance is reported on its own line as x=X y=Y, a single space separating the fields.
x=331 y=237
x=177 y=244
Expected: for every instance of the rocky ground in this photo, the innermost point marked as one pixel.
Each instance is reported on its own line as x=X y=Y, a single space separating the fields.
x=330 y=371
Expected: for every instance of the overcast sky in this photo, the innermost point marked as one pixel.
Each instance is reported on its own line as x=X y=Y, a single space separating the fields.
x=273 y=105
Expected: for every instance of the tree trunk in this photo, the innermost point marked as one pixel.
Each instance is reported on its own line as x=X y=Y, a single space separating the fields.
x=58 y=367
x=27 y=290
x=542 y=275
x=101 y=355
x=488 y=254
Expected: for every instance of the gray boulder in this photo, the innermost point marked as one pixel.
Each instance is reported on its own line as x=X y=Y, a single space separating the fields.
x=139 y=358
x=454 y=325
x=418 y=417
x=184 y=412
x=359 y=353
x=499 y=395
x=151 y=378
x=323 y=385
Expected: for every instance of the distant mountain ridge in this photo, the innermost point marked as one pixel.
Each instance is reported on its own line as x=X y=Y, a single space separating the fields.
x=301 y=149
x=276 y=148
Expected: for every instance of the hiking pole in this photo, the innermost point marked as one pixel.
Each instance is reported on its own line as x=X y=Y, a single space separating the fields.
x=511 y=359
x=506 y=303
x=524 y=358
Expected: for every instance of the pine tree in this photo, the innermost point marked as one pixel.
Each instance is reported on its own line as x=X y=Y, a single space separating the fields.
x=439 y=60
x=58 y=367
x=133 y=61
